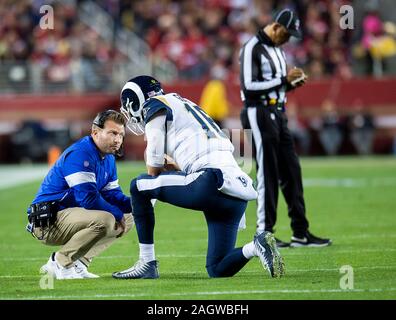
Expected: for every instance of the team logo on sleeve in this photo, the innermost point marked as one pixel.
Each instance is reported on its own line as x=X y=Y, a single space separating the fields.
x=86 y=164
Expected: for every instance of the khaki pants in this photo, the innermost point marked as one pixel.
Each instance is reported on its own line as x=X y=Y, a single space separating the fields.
x=82 y=233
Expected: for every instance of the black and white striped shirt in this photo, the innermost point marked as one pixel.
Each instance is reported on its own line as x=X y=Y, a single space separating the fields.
x=263 y=71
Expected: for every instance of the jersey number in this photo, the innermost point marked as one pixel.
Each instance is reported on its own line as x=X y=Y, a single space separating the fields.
x=211 y=128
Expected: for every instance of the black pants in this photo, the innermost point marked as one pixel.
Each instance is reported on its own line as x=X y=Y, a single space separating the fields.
x=277 y=165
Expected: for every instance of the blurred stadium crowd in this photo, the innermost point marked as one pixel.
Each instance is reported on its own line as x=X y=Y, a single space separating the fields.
x=95 y=46
x=71 y=45
x=200 y=37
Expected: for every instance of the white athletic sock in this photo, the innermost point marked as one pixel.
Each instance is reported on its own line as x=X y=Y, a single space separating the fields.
x=249 y=250
x=147 y=253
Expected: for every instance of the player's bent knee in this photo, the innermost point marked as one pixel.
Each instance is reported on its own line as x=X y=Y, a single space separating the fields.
x=216 y=271
x=103 y=222
x=212 y=272
x=133 y=188
x=109 y=221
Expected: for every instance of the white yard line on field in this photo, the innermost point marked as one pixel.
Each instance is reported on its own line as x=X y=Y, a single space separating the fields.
x=203 y=293
x=349 y=182
x=367 y=236
x=284 y=251
x=343 y=162
x=12 y=176
x=15 y=175
x=246 y=271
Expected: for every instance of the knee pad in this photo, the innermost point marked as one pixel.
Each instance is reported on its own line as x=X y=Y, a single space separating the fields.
x=103 y=223
x=133 y=186
x=141 y=205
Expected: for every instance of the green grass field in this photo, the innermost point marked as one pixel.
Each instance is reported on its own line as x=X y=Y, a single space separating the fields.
x=351 y=200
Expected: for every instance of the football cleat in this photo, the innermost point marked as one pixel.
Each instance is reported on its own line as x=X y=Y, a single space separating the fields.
x=269 y=255
x=59 y=272
x=81 y=269
x=140 y=270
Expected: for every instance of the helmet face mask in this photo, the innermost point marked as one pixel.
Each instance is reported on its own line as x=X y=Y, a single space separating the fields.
x=134 y=124
x=134 y=118
x=133 y=96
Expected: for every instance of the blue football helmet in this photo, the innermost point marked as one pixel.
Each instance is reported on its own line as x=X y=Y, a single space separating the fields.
x=133 y=96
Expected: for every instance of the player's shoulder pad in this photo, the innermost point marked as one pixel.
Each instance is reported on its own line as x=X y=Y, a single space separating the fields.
x=154 y=105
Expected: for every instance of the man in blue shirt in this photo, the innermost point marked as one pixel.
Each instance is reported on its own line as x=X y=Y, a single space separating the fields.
x=82 y=191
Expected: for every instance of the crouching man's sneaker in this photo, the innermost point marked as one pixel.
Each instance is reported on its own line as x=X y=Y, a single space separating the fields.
x=309 y=240
x=59 y=272
x=269 y=255
x=81 y=269
x=140 y=270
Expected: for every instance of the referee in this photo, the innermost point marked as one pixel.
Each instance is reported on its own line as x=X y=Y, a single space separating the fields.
x=264 y=82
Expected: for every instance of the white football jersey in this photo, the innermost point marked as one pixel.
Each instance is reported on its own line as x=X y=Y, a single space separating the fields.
x=193 y=139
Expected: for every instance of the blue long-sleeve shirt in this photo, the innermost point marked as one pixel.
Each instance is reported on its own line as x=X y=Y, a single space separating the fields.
x=81 y=177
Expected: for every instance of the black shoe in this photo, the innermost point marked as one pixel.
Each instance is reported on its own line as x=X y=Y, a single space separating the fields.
x=309 y=240
x=281 y=244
